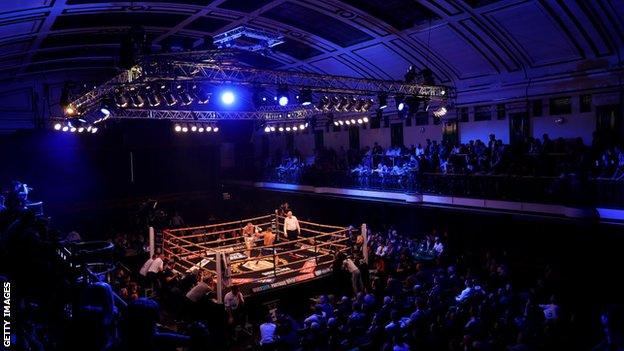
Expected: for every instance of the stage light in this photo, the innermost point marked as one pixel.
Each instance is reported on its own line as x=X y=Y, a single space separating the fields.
x=368 y=103
x=351 y=104
x=267 y=129
x=333 y=102
x=193 y=128
x=360 y=121
x=177 y=128
x=94 y=130
x=295 y=128
x=80 y=129
x=336 y=123
x=302 y=126
x=215 y=129
x=152 y=97
x=440 y=112
x=399 y=100
x=72 y=129
x=89 y=128
x=57 y=126
x=70 y=111
x=383 y=101
x=305 y=97
x=288 y=129
x=200 y=129
x=227 y=97
x=203 y=97
x=135 y=98
x=65 y=128
x=341 y=123
x=120 y=99
x=352 y=121
x=347 y=122
x=365 y=119
x=322 y=103
x=283 y=101
x=272 y=128
x=106 y=112
x=184 y=129
x=281 y=129
x=443 y=92
x=185 y=98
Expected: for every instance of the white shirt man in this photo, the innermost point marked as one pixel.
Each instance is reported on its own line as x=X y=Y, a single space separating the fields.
x=156 y=266
x=356 y=277
x=146 y=266
x=232 y=300
x=291 y=226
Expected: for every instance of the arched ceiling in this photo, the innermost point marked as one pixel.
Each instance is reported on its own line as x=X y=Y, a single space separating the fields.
x=467 y=43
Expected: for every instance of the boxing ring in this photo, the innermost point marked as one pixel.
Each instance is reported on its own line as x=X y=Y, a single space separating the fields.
x=219 y=250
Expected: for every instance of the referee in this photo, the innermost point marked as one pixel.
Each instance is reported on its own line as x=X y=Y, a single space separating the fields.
x=291 y=226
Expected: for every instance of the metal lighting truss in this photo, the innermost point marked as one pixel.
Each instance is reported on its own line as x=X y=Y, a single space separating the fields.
x=215 y=73
x=218 y=67
x=239 y=38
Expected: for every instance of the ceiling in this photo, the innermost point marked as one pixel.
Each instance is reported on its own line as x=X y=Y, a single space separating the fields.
x=466 y=43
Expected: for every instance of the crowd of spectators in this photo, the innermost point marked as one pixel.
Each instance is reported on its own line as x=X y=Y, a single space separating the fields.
x=449 y=302
x=531 y=157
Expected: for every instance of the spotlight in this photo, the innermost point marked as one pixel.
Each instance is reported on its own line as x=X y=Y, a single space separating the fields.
x=177 y=128
x=336 y=123
x=365 y=119
x=443 y=92
x=227 y=97
x=72 y=129
x=399 y=100
x=341 y=123
x=209 y=128
x=342 y=104
x=203 y=97
x=200 y=129
x=295 y=128
x=94 y=130
x=440 y=112
x=347 y=122
x=305 y=97
x=57 y=126
x=215 y=129
x=267 y=129
x=120 y=99
x=185 y=98
x=302 y=126
x=193 y=128
x=184 y=129
x=333 y=102
x=288 y=129
x=350 y=104
x=366 y=105
x=281 y=129
x=383 y=101
x=70 y=111
x=322 y=103
x=283 y=101
x=80 y=129
x=360 y=121
x=272 y=128
x=152 y=97
x=65 y=128
x=167 y=95
x=135 y=98
x=106 y=112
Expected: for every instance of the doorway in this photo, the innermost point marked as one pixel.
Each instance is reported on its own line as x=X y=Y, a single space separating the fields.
x=450 y=132
x=519 y=127
x=396 y=135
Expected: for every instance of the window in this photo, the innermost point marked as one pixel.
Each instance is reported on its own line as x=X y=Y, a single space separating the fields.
x=585 y=103
x=537 y=107
x=375 y=121
x=500 y=111
x=560 y=106
x=422 y=118
x=482 y=113
x=463 y=114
